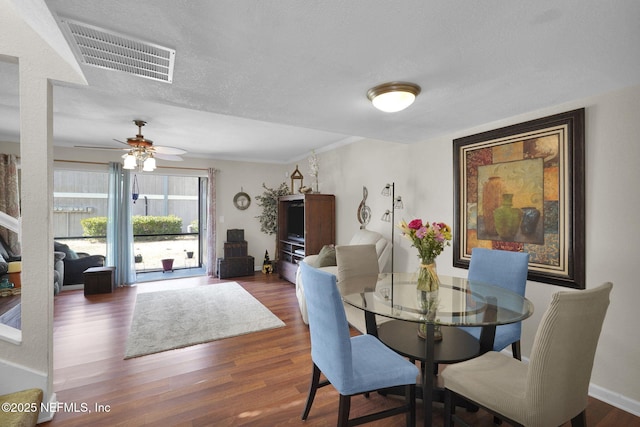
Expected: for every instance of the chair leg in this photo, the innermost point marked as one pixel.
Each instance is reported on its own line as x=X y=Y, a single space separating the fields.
x=315 y=380
x=448 y=408
x=410 y=401
x=579 y=420
x=343 y=411
x=515 y=349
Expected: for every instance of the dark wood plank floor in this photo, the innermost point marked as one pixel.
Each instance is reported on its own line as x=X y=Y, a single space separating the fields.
x=259 y=379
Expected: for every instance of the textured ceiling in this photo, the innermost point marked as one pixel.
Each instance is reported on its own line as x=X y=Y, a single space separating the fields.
x=272 y=80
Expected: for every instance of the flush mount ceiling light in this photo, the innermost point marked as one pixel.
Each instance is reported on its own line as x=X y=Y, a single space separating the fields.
x=394 y=96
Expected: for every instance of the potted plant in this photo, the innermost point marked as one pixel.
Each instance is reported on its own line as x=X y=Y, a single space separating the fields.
x=269 y=202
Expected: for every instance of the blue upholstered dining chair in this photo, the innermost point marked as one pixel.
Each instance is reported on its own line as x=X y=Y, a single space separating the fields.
x=353 y=365
x=508 y=270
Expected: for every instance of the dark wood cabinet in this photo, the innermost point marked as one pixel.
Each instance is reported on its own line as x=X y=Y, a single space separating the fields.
x=306 y=222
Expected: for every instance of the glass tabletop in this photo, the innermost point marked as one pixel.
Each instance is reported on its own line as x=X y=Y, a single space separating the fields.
x=459 y=302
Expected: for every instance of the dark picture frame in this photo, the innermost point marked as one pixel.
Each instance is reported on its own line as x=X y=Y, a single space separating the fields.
x=522 y=188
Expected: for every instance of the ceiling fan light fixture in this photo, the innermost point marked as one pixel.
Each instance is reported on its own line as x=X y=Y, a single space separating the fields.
x=394 y=96
x=130 y=161
x=149 y=164
x=141 y=154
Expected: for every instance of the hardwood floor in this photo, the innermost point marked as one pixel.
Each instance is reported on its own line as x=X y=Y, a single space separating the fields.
x=259 y=379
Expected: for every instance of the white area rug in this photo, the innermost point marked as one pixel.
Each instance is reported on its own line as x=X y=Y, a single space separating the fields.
x=166 y=320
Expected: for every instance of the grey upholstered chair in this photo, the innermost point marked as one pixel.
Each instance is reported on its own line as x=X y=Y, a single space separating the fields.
x=553 y=388
x=357 y=272
x=353 y=365
x=361 y=237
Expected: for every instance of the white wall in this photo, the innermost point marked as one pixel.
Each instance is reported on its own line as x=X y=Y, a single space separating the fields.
x=248 y=177
x=424 y=178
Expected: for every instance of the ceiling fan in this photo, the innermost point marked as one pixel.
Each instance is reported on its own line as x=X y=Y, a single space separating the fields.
x=141 y=153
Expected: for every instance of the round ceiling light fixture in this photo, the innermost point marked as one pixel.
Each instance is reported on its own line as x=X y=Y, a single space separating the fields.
x=394 y=96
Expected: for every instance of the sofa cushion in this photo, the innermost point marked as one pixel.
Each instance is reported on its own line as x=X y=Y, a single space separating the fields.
x=326 y=257
x=61 y=247
x=6 y=252
x=380 y=246
x=365 y=237
x=59 y=256
x=368 y=237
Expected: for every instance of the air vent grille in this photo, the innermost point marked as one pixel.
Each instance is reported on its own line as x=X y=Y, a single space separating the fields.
x=107 y=49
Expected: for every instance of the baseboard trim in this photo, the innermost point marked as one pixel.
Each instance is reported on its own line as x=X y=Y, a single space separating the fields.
x=48 y=415
x=612 y=398
x=615 y=399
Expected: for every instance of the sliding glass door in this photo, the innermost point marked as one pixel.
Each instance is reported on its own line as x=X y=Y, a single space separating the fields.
x=166 y=212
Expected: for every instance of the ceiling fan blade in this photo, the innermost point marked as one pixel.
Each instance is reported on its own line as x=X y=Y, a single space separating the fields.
x=121 y=142
x=168 y=150
x=171 y=157
x=95 y=147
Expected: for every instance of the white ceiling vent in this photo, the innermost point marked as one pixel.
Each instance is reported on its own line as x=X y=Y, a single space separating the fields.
x=106 y=49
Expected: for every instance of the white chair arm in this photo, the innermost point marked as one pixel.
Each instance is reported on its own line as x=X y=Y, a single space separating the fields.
x=311 y=260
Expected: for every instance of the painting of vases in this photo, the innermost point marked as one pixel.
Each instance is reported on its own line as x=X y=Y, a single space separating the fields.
x=530 y=219
x=491 y=199
x=511 y=202
x=507 y=219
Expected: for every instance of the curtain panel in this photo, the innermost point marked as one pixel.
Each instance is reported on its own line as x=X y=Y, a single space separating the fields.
x=119 y=225
x=211 y=222
x=9 y=197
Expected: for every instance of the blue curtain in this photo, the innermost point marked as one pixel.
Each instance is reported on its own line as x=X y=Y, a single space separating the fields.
x=119 y=225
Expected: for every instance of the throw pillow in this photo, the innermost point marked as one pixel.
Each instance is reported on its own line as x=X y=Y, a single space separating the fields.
x=327 y=256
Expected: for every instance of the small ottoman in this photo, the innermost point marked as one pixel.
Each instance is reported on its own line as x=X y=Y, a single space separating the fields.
x=99 y=280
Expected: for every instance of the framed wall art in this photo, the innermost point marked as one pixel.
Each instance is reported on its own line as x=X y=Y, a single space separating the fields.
x=521 y=188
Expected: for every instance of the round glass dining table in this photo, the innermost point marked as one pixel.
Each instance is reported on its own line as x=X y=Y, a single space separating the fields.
x=457 y=302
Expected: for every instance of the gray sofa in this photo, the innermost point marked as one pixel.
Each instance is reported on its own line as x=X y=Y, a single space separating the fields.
x=7 y=256
x=75 y=263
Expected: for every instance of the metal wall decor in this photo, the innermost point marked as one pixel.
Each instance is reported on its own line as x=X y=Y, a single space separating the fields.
x=241 y=200
x=364 y=213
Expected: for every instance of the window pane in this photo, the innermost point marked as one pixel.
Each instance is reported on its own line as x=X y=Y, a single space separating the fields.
x=80 y=210
x=165 y=221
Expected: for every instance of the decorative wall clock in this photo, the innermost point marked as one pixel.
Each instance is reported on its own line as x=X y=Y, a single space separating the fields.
x=241 y=200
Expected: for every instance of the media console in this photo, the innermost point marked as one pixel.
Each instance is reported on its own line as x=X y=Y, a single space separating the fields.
x=306 y=222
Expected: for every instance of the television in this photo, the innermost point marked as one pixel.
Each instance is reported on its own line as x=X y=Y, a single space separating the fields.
x=295 y=221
